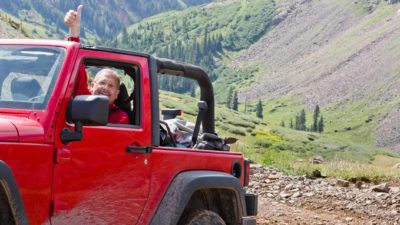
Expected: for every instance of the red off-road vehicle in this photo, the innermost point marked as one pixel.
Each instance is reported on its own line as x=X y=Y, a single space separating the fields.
x=61 y=163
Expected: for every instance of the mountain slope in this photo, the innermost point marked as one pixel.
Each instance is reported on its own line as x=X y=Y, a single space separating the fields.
x=6 y=27
x=200 y=35
x=342 y=55
x=100 y=18
x=239 y=25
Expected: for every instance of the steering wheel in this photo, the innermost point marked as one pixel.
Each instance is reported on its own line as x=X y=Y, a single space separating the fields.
x=38 y=97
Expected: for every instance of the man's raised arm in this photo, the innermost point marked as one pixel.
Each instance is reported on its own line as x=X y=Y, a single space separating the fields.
x=73 y=20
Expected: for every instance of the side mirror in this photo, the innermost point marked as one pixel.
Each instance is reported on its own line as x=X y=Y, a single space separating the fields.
x=88 y=110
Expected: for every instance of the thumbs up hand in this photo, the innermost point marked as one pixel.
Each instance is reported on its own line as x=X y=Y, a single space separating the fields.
x=73 y=20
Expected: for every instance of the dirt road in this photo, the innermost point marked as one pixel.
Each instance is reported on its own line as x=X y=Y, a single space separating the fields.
x=309 y=200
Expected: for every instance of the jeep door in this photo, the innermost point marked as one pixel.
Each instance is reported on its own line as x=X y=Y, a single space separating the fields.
x=96 y=180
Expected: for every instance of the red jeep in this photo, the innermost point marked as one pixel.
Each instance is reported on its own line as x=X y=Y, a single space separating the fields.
x=61 y=163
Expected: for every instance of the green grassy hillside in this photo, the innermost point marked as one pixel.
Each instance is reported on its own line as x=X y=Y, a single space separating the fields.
x=291 y=150
x=200 y=35
x=11 y=28
x=239 y=24
x=292 y=55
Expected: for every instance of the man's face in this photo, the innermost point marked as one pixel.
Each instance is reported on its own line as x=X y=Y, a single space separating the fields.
x=106 y=84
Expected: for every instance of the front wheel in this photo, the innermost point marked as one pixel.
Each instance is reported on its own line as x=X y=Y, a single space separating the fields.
x=202 y=217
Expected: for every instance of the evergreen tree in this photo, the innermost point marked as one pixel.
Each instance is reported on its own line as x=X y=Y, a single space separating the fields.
x=235 y=101
x=229 y=98
x=297 y=122
x=245 y=105
x=259 y=109
x=321 y=125
x=205 y=41
x=83 y=32
x=314 y=127
x=124 y=39
x=302 y=120
x=193 y=91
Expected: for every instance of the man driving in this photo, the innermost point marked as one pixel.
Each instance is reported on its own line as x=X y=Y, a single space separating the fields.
x=106 y=81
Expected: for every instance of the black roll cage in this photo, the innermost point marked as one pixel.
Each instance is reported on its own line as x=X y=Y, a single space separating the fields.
x=166 y=66
x=161 y=66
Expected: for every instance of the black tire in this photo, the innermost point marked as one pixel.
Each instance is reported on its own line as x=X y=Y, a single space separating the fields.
x=202 y=217
x=6 y=217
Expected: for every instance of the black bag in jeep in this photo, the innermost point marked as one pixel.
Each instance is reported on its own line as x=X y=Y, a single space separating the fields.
x=211 y=142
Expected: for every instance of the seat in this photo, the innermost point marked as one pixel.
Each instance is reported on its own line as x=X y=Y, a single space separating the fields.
x=124 y=102
x=25 y=88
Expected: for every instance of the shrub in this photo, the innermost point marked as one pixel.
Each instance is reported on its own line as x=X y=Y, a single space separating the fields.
x=263 y=143
x=233 y=129
x=241 y=123
x=238 y=131
x=281 y=146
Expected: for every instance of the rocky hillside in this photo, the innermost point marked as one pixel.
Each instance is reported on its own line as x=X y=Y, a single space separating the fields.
x=313 y=199
x=343 y=55
x=7 y=31
x=100 y=18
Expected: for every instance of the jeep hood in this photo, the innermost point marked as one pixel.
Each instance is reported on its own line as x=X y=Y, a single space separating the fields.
x=20 y=129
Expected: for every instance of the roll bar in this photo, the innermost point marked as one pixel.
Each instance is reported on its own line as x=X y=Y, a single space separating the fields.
x=167 y=66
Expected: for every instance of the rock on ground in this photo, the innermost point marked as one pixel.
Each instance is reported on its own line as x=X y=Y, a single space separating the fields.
x=299 y=200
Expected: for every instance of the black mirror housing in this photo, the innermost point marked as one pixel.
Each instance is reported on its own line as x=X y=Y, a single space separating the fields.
x=90 y=109
x=85 y=109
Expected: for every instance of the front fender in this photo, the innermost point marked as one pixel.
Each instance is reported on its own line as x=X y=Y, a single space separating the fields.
x=10 y=187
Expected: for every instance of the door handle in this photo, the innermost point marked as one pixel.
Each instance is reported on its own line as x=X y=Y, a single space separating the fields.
x=144 y=150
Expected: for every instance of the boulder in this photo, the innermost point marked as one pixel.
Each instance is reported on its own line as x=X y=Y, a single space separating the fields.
x=380 y=188
x=317 y=160
x=342 y=183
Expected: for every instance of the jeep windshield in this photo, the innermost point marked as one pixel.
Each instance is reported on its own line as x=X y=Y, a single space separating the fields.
x=28 y=75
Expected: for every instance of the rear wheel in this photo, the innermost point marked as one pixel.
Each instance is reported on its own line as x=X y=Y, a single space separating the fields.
x=202 y=217
x=6 y=217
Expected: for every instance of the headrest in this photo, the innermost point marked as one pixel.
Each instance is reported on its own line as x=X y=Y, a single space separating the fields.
x=122 y=100
x=25 y=88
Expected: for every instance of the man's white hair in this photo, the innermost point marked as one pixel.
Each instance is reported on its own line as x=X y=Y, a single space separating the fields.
x=109 y=71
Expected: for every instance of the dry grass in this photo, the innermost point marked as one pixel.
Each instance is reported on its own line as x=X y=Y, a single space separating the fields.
x=381 y=169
